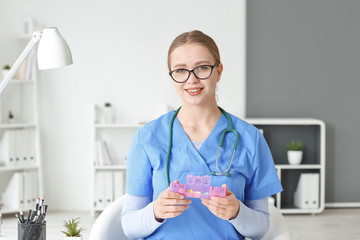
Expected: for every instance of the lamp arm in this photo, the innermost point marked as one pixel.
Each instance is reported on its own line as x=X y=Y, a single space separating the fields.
x=36 y=38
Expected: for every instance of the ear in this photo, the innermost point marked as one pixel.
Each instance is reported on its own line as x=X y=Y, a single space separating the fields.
x=220 y=68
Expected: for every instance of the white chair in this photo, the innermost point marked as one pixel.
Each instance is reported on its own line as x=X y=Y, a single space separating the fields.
x=278 y=229
x=108 y=225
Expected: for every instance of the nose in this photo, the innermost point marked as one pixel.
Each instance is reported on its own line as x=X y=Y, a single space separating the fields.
x=192 y=78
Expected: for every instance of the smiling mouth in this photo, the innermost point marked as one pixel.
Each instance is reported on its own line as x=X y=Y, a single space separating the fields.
x=193 y=90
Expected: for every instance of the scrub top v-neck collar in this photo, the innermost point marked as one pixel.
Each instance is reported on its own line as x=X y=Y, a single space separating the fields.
x=207 y=153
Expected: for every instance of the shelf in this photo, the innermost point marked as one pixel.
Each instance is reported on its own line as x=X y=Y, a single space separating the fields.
x=17 y=81
x=295 y=210
x=7 y=168
x=17 y=125
x=7 y=210
x=300 y=166
x=284 y=121
x=118 y=125
x=111 y=167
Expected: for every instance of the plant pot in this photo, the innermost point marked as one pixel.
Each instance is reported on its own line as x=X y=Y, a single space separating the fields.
x=294 y=157
x=108 y=115
x=73 y=238
x=4 y=72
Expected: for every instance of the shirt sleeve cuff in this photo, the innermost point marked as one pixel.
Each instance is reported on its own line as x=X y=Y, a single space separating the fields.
x=150 y=217
x=237 y=221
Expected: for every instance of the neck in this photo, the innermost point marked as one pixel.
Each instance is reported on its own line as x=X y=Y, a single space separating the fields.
x=199 y=115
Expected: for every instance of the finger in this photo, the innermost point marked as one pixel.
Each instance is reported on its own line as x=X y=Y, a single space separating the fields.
x=175 y=181
x=228 y=192
x=168 y=194
x=176 y=208
x=218 y=211
x=217 y=201
x=171 y=214
x=172 y=211
x=171 y=202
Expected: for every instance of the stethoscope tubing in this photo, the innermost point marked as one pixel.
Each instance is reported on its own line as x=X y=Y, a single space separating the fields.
x=228 y=129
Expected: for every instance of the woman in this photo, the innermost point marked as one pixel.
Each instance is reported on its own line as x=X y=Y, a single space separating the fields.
x=151 y=211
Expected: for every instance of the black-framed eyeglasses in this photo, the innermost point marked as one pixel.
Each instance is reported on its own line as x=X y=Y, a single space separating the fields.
x=201 y=72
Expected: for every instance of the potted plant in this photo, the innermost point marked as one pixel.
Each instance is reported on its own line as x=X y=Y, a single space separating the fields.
x=5 y=70
x=72 y=230
x=295 y=152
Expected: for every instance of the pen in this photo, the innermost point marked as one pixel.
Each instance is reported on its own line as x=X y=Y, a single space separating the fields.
x=37 y=203
x=40 y=218
x=33 y=216
x=45 y=209
x=22 y=216
x=17 y=217
x=28 y=216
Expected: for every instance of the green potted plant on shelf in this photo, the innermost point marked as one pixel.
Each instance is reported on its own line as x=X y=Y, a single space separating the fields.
x=72 y=229
x=5 y=70
x=295 y=152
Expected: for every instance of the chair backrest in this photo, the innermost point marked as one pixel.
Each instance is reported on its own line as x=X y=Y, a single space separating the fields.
x=108 y=224
x=278 y=229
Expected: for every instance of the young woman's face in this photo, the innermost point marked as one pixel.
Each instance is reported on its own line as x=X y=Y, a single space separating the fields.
x=195 y=91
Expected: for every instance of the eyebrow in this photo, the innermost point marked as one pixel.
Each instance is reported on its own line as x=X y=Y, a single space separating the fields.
x=196 y=64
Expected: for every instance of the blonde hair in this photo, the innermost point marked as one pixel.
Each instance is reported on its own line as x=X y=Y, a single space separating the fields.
x=195 y=36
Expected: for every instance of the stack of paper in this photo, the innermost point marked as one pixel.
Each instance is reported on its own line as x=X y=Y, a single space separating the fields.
x=307 y=192
x=21 y=191
x=108 y=187
x=103 y=189
x=17 y=148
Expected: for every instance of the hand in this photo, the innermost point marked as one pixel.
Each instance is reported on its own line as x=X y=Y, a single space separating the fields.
x=169 y=205
x=223 y=207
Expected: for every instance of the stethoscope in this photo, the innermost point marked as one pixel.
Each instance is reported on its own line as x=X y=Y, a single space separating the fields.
x=228 y=129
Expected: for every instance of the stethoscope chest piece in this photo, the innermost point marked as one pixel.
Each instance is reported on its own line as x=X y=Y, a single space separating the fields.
x=219 y=174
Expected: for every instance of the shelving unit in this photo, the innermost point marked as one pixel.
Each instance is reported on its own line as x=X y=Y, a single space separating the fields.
x=311 y=132
x=118 y=138
x=20 y=97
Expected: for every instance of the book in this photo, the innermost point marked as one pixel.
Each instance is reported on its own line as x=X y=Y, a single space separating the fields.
x=103 y=155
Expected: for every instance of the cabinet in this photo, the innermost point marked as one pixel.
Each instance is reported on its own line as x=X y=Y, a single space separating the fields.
x=20 y=160
x=311 y=132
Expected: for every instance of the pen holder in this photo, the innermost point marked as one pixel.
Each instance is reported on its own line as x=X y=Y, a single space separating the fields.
x=32 y=231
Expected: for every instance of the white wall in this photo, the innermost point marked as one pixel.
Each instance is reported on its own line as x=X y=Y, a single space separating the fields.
x=119 y=50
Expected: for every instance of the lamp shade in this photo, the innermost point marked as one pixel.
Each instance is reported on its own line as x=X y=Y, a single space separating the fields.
x=53 y=51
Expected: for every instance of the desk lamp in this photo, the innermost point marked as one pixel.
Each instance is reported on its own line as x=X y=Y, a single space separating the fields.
x=53 y=52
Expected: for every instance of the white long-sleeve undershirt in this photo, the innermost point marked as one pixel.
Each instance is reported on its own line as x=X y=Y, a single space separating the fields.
x=138 y=220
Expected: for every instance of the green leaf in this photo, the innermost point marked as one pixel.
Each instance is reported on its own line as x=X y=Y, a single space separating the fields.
x=71 y=228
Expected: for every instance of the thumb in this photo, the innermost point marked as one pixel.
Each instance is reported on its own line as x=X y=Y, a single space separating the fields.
x=175 y=181
x=228 y=192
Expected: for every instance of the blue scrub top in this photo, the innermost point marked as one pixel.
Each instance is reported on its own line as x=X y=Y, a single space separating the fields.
x=253 y=174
